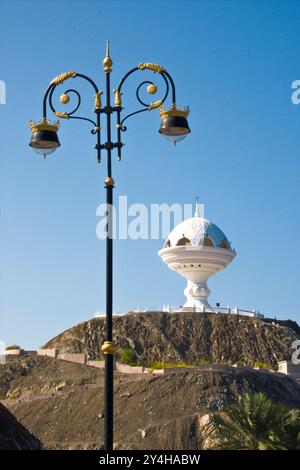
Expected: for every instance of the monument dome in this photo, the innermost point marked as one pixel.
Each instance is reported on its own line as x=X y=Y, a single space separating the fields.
x=197 y=249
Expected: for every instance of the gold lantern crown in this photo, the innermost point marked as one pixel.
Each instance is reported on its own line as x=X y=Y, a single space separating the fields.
x=44 y=125
x=175 y=111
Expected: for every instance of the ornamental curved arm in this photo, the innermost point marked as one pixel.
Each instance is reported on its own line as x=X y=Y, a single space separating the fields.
x=146 y=106
x=70 y=115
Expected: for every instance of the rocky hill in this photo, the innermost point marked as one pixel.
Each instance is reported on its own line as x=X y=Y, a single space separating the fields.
x=186 y=337
x=13 y=435
x=62 y=403
x=32 y=375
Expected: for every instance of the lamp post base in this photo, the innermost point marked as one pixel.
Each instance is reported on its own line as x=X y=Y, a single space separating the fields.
x=108 y=402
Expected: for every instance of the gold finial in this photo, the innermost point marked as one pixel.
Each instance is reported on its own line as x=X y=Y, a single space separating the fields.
x=107 y=62
x=97 y=97
x=118 y=99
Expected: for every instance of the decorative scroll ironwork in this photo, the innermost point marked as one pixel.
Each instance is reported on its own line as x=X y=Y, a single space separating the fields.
x=108 y=109
x=69 y=115
x=48 y=97
x=146 y=106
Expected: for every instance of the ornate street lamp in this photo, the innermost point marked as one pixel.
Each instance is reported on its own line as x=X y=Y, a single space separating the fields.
x=44 y=141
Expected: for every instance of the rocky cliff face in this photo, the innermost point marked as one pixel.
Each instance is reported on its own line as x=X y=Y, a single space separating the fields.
x=188 y=337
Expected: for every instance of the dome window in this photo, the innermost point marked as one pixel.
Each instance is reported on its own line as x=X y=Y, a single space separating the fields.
x=208 y=242
x=224 y=244
x=167 y=244
x=183 y=241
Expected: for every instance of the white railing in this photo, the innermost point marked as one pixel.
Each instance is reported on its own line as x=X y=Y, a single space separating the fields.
x=168 y=309
x=224 y=310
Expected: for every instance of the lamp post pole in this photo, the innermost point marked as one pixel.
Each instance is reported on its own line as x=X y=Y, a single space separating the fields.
x=44 y=141
x=109 y=356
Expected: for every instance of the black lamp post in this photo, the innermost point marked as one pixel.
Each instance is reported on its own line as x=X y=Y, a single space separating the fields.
x=44 y=140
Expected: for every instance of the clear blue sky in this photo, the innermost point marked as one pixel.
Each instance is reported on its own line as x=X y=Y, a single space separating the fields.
x=233 y=63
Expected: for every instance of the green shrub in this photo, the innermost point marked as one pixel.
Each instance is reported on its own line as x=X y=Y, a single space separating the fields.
x=168 y=365
x=200 y=362
x=13 y=346
x=154 y=365
x=128 y=356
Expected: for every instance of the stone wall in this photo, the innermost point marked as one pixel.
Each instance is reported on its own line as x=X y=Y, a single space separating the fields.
x=129 y=369
x=155 y=371
x=13 y=352
x=48 y=352
x=284 y=367
x=99 y=364
x=73 y=357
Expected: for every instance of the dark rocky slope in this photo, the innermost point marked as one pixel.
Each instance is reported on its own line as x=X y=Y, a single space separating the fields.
x=29 y=375
x=166 y=412
x=13 y=435
x=188 y=337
